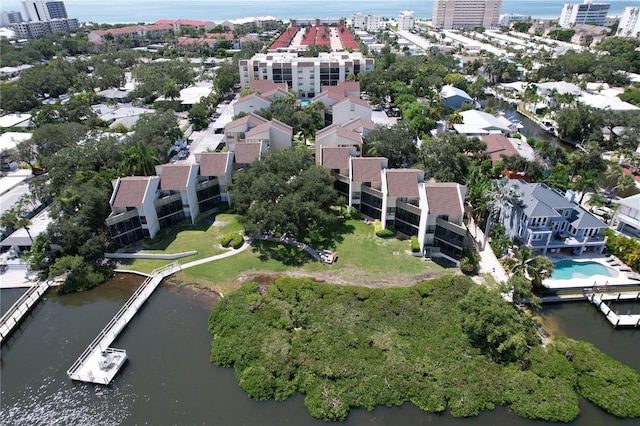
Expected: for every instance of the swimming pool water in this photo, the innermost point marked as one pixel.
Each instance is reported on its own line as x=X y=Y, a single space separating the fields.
x=570 y=269
x=305 y=102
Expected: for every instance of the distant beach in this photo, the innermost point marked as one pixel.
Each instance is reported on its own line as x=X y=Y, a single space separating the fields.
x=126 y=11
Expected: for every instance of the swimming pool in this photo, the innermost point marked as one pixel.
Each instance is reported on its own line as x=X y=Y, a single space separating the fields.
x=305 y=102
x=570 y=269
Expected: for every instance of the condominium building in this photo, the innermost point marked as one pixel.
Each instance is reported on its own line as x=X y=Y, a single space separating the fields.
x=35 y=29
x=629 y=23
x=10 y=17
x=507 y=19
x=366 y=22
x=453 y=14
x=401 y=199
x=583 y=13
x=406 y=20
x=305 y=75
x=44 y=10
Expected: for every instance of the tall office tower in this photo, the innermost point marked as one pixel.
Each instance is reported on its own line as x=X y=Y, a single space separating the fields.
x=11 y=17
x=453 y=14
x=585 y=13
x=43 y=10
x=629 y=23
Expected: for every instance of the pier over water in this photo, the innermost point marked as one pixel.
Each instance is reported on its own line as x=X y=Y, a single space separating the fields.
x=99 y=363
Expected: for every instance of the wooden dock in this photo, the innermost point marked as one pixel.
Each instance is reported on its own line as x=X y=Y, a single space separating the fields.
x=24 y=304
x=99 y=363
x=616 y=320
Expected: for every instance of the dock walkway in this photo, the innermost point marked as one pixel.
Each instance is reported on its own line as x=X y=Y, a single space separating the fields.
x=615 y=319
x=16 y=313
x=99 y=363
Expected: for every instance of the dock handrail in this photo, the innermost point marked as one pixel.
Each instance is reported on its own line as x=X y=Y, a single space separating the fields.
x=37 y=290
x=107 y=333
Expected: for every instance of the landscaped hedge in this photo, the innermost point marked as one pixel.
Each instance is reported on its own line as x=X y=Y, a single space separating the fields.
x=383 y=233
x=627 y=249
x=415 y=244
x=232 y=239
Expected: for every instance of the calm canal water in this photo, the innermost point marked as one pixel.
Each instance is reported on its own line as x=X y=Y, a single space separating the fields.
x=169 y=380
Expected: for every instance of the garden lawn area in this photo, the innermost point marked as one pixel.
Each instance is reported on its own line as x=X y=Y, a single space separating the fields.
x=363 y=258
x=204 y=238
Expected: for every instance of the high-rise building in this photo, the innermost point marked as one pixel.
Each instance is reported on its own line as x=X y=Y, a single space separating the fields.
x=583 y=13
x=405 y=20
x=43 y=10
x=629 y=23
x=11 y=17
x=453 y=14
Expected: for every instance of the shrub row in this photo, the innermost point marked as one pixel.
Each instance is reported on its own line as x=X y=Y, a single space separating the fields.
x=232 y=239
x=381 y=232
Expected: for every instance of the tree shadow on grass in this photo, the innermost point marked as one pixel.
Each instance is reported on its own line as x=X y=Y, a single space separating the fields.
x=286 y=254
x=332 y=236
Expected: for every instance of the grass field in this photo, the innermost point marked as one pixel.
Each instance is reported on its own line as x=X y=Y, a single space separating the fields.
x=363 y=258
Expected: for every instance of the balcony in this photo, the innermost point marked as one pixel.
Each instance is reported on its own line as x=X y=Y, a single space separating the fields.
x=167 y=200
x=121 y=217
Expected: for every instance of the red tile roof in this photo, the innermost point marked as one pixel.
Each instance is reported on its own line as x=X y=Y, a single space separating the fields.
x=131 y=191
x=266 y=85
x=443 y=198
x=497 y=146
x=247 y=152
x=175 y=176
x=248 y=121
x=348 y=42
x=336 y=157
x=367 y=169
x=402 y=183
x=285 y=39
x=213 y=163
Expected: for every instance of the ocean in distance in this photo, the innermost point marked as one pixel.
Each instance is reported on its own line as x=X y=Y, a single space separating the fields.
x=127 y=11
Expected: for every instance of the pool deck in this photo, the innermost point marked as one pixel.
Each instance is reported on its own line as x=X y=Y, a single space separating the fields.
x=625 y=275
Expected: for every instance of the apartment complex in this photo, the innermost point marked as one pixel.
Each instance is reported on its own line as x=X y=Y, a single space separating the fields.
x=509 y=18
x=583 y=13
x=304 y=75
x=35 y=29
x=406 y=20
x=629 y=23
x=371 y=23
x=454 y=14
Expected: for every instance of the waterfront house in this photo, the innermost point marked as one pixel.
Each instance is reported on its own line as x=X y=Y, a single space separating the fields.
x=546 y=220
x=628 y=216
x=478 y=123
x=452 y=97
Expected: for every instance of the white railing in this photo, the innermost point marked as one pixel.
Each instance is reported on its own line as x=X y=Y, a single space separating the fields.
x=124 y=315
x=15 y=313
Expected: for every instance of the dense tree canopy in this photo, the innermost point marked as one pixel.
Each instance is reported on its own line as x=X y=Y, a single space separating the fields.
x=345 y=347
x=285 y=193
x=449 y=158
x=396 y=143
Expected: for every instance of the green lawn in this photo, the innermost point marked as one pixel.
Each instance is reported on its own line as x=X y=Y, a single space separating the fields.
x=204 y=238
x=363 y=259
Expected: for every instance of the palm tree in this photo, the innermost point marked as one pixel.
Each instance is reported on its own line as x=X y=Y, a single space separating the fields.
x=531 y=266
x=138 y=159
x=584 y=183
x=504 y=193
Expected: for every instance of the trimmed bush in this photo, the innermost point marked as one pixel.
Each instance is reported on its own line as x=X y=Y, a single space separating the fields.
x=381 y=232
x=415 y=244
x=232 y=239
x=470 y=262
